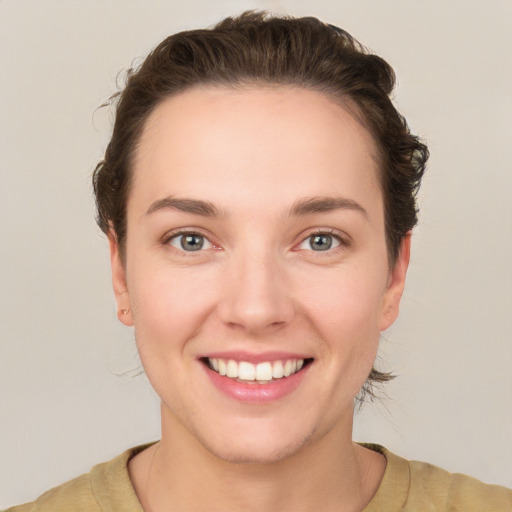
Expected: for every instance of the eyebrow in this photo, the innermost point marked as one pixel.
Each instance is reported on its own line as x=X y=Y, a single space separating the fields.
x=194 y=206
x=302 y=207
x=312 y=205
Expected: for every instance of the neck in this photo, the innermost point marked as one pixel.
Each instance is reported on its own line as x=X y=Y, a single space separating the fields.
x=331 y=473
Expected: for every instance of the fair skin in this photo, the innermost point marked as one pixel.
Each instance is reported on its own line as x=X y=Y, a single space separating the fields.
x=256 y=234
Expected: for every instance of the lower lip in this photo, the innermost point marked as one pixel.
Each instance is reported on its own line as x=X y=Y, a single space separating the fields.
x=257 y=393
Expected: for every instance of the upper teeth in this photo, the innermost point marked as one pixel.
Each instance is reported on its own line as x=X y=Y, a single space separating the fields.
x=262 y=372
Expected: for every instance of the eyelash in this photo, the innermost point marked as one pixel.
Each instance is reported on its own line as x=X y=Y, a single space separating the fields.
x=343 y=241
x=183 y=232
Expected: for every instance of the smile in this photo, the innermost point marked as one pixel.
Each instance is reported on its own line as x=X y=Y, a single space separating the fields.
x=262 y=373
x=265 y=380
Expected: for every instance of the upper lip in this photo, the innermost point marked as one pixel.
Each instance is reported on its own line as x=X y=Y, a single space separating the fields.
x=255 y=358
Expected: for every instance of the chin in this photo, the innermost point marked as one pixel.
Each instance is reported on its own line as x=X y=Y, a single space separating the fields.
x=257 y=452
x=249 y=443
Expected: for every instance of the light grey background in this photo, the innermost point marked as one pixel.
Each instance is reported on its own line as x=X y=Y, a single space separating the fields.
x=63 y=408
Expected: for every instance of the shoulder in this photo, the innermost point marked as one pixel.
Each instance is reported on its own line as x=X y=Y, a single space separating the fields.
x=73 y=495
x=411 y=486
x=455 y=491
x=106 y=487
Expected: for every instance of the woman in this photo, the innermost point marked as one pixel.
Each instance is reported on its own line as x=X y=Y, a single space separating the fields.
x=258 y=195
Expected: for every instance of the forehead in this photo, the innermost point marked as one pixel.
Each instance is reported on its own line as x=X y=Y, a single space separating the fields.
x=266 y=141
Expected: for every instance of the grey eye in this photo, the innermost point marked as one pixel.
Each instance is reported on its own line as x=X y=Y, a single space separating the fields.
x=320 y=242
x=189 y=242
x=192 y=242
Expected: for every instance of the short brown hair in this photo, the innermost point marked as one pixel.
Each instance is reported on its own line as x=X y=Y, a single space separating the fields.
x=257 y=48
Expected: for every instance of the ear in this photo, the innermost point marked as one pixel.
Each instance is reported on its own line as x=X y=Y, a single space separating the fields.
x=396 y=284
x=124 y=312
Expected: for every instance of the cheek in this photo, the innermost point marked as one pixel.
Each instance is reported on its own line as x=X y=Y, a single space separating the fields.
x=169 y=306
x=345 y=306
x=345 y=310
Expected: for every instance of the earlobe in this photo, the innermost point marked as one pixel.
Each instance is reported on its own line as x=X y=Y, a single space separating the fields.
x=396 y=284
x=124 y=312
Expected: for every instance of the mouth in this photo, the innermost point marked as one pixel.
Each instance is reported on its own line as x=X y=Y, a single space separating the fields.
x=264 y=372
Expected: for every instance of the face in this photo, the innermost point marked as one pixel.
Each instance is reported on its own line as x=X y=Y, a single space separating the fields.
x=256 y=272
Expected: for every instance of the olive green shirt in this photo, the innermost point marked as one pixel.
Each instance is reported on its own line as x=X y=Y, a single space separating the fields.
x=407 y=486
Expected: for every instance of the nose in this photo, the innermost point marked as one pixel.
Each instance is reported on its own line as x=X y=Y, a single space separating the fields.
x=256 y=298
